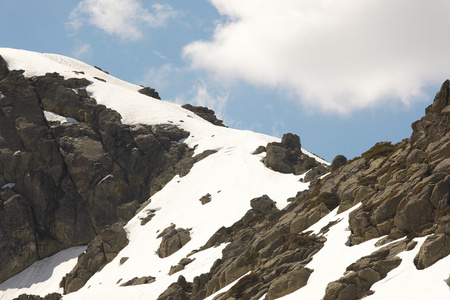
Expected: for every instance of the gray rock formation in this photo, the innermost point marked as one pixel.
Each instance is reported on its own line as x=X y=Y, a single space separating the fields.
x=172 y=240
x=205 y=113
x=149 y=92
x=102 y=250
x=67 y=181
x=287 y=157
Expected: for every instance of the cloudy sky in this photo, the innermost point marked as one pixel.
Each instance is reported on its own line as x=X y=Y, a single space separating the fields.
x=342 y=74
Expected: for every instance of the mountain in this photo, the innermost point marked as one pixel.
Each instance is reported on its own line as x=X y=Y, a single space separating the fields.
x=109 y=192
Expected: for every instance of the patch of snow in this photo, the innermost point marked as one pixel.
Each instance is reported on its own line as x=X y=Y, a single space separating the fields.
x=10 y=185
x=43 y=276
x=54 y=117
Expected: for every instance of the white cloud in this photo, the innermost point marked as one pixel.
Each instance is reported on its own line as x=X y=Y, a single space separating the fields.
x=202 y=94
x=124 y=18
x=159 y=77
x=333 y=55
x=83 y=51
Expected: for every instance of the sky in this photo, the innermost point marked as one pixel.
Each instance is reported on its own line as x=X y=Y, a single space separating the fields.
x=342 y=74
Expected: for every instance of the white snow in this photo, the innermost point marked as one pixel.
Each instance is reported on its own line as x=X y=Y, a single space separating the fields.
x=232 y=176
x=10 y=185
x=54 y=117
x=43 y=276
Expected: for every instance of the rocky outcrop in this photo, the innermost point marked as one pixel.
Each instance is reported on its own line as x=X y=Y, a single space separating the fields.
x=138 y=281
x=287 y=157
x=172 y=240
x=403 y=191
x=262 y=244
x=149 y=92
x=338 y=161
x=63 y=182
x=102 y=250
x=205 y=113
x=53 y=296
x=367 y=270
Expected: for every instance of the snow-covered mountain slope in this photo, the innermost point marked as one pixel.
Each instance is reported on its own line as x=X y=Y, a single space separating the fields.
x=232 y=176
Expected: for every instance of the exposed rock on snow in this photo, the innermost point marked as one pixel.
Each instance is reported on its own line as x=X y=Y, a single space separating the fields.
x=99 y=252
x=172 y=240
x=205 y=113
x=149 y=92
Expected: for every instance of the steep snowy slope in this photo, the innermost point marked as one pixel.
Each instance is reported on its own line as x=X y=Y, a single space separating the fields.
x=232 y=176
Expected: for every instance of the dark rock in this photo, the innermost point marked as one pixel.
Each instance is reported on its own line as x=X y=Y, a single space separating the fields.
x=53 y=296
x=205 y=199
x=172 y=240
x=288 y=283
x=205 y=113
x=433 y=249
x=149 y=92
x=338 y=162
x=367 y=270
x=102 y=250
x=3 y=68
x=98 y=68
x=279 y=159
x=316 y=172
x=287 y=157
x=174 y=292
x=180 y=266
x=259 y=150
x=139 y=281
x=263 y=204
x=291 y=141
x=17 y=236
x=442 y=97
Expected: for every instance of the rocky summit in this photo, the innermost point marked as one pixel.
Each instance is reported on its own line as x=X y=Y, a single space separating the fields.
x=109 y=192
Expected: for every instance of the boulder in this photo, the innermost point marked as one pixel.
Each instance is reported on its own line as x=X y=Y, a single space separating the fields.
x=433 y=249
x=172 y=240
x=262 y=204
x=288 y=283
x=338 y=162
x=150 y=92
x=205 y=113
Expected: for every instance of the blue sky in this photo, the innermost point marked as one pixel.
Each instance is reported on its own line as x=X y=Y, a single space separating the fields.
x=341 y=74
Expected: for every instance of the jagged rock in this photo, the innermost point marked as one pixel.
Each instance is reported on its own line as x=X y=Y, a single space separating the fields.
x=205 y=113
x=52 y=296
x=259 y=150
x=316 y=172
x=17 y=235
x=205 y=199
x=442 y=97
x=367 y=270
x=172 y=240
x=180 y=266
x=77 y=177
x=179 y=290
x=338 y=162
x=288 y=283
x=3 y=68
x=149 y=92
x=102 y=250
x=262 y=204
x=433 y=249
x=138 y=281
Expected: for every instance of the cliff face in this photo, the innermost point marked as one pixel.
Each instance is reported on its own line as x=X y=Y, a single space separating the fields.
x=64 y=181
